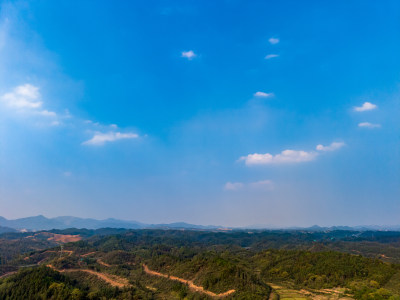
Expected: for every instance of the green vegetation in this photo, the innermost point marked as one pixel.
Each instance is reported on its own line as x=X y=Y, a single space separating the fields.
x=295 y=264
x=44 y=283
x=321 y=269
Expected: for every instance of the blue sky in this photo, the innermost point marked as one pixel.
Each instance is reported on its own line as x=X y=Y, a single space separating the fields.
x=211 y=112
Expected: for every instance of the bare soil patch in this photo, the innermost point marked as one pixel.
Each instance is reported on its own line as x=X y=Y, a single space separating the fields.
x=113 y=280
x=190 y=283
x=64 y=238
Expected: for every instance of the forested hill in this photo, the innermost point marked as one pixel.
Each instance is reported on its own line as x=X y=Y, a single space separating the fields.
x=176 y=264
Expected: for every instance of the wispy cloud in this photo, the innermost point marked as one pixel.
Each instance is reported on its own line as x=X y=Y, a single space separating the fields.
x=257 y=185
x=269 y=56
x=263 y=95
x=23 y=97
x=189 y=54
x=273 y=41
x=332 y=147
x=100 y=138
x=288 y=156
x=368 y=125
x=285 y=157
x=365 y=107
x=47 y=113
x=26 y=99
x=233 y=186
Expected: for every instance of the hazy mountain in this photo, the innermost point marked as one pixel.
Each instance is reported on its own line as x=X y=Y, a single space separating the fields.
x=6 y=229
x=95 y=224
x=183 y=225
x=32 y=223
x=42 y=223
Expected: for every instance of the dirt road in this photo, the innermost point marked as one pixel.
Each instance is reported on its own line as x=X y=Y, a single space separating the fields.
x=113 y=280
x=190 y=283
x=87 y=254
x=103 y=263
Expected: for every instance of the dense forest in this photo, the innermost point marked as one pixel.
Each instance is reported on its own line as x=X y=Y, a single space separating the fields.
x=176 y=264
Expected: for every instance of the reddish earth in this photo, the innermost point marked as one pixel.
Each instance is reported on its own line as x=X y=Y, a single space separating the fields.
x=64 y=238
x=87 y=254
x=190 y=283
x=113 y=280
x=103 y=263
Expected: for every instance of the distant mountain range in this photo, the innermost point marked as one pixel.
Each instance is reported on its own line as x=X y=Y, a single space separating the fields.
x=42 y=223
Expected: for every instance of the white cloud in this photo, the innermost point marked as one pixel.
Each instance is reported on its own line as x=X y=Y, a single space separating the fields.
x=189 y=54
x=368 y=125
x=26 y=99
x=101 y=138
x=47 y=113
x=365 y=107
x=263 y=95
x=258 y=185
x=233 y=186
x=67 y=173
x=286 y=156
x=27 y=90
x=269 y=56
x=332 y=147
x=273 y=41
x=23 y=97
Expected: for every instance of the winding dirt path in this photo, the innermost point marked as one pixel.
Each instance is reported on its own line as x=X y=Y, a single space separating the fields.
x=87 y=254
x=103 y=263
x=113 y=280
x=190 y=283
